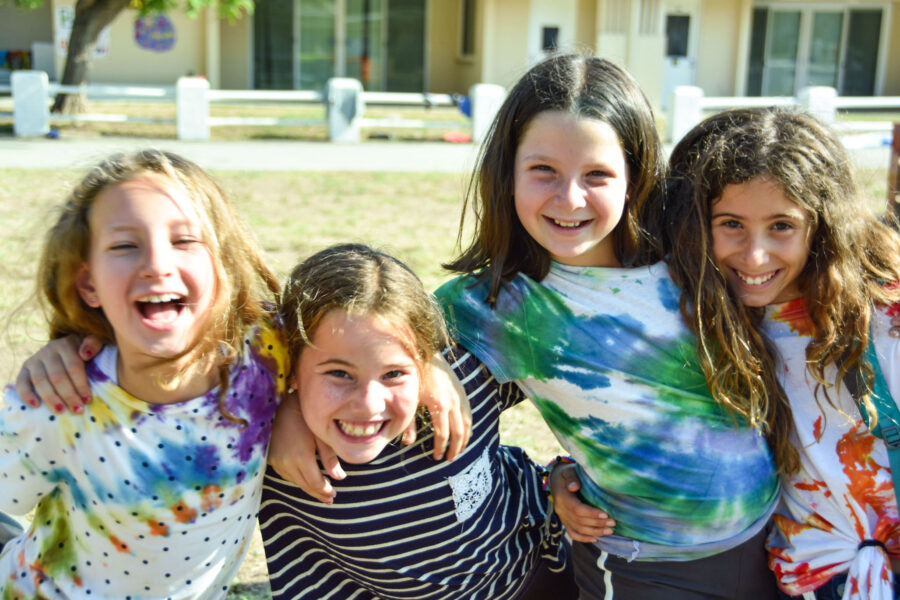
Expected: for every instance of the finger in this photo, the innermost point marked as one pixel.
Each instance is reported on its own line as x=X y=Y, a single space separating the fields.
x=59 y=378
x=570 y=478
x=320 y=488
x=581 y=538
x=330 y=461
x=441 y=427
x=45 y=391
x=409 y=436
x=90 y=347
x=24 y=389
x=459 y=434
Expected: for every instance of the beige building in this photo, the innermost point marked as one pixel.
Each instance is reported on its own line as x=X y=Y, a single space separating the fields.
x=726 y=47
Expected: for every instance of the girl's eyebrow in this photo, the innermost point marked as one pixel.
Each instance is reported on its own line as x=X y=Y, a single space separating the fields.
x=795 y=216
x=332 y=360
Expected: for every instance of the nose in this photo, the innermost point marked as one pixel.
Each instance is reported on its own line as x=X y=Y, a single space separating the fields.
x=372 y=397
x=158 y=260
x=572 y=193
x=756 y=251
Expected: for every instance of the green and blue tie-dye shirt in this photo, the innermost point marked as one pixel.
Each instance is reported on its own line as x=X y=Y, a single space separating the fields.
x=606 y=358
x=138 y=500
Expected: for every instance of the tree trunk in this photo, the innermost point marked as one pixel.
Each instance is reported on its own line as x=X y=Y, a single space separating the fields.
x=91 y=16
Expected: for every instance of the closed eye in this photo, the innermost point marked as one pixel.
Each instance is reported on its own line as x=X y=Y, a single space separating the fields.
x=122 y=246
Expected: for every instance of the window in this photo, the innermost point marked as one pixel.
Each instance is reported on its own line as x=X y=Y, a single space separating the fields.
x=550 y=39
x=467 y=29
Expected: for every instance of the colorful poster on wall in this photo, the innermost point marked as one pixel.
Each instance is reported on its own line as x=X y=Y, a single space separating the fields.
x=155 y=33
x=65 y=17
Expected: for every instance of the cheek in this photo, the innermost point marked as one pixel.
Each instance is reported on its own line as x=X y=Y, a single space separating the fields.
x=719 y=248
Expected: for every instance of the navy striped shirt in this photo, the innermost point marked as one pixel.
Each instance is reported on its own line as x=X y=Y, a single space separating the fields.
x=407 y=526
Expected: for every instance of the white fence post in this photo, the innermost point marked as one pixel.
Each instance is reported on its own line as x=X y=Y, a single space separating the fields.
x=192 y=108
x=685 y=111
x=344 y=107
x=820 y=101
x=31 y=114
x=486 y=98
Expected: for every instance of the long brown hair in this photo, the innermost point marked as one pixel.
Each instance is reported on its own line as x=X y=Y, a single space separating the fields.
x=851 y=255
x=581 y=85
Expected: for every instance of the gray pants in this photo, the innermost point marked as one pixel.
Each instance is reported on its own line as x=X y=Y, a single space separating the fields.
x=741 y=573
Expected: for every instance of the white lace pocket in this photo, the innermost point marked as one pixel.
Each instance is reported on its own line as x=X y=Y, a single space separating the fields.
x=471 y=487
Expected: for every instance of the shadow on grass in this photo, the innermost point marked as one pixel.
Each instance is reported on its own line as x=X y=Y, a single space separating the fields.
x=249 y=591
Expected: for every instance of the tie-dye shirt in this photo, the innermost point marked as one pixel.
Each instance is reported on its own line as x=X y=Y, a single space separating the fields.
x=138 y=500
x=843 y=493
x=605 y=356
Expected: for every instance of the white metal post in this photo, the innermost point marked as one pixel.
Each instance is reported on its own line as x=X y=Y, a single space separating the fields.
x=345 y=107
x=820 y=101
x=685 y=111
x=486 y=98
x=31 y=113
x=192 y=108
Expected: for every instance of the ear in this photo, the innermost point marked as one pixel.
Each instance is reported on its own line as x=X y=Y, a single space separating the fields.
x=85 y=285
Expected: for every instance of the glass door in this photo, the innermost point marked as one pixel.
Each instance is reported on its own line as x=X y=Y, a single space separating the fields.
x=863 y=39
x=825 y=49
x=780 y=65
x=317 y=43
x=405 y=67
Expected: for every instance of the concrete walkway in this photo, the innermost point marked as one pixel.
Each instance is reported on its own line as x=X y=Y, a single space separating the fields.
x=256 y=155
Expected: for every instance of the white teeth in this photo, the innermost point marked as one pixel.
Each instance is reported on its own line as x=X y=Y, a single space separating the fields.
x=759 y=280
x=360 y=430
x=160 y=298
x=569 y=224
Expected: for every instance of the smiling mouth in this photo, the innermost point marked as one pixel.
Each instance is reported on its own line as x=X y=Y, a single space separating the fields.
x=161 y=308
x=566 y=224
x=757 y=279
x=360 y=429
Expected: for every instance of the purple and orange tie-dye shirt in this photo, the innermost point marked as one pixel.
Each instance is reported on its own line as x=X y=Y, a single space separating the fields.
x=136 y=499
x=843 y=493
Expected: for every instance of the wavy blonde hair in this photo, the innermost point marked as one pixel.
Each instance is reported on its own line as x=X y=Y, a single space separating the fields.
x=244 y=283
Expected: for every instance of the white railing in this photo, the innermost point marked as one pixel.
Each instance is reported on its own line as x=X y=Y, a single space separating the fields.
x=689 y=105
x=344 y=102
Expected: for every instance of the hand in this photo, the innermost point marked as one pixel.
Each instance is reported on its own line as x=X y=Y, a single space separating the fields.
x=583 y=523
x=445 y=399
x=292 y=453
x=55 y=374
x=895 y=327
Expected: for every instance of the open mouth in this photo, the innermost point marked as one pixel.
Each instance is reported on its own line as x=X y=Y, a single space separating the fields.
x=567 y=224
x=161 y=308
x=756 y=279
x=360 y=429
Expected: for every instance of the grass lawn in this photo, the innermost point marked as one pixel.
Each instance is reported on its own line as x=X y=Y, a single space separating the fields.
x=414 y=216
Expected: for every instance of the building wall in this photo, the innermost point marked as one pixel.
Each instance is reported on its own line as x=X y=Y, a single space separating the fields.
x=585 y=25
x=236 y=66
x=505 y=56
x=19 y=28
x=892 y=59
x=717 y=51
x=444 y=21
x=127 y=62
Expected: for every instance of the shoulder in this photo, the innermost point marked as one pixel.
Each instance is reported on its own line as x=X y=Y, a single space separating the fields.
x=19 y=419
x=264 y=344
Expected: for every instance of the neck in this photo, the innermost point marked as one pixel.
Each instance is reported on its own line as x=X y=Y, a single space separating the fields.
x=157 y=381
